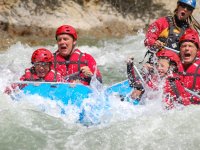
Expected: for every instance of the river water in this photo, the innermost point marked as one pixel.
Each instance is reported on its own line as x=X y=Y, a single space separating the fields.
x=25 y=127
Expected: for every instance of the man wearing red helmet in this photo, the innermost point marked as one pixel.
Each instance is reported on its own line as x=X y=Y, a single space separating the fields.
x=166 y=78
x=70 y=62
x=41 y=69
x=166 y=31
x=190 y=69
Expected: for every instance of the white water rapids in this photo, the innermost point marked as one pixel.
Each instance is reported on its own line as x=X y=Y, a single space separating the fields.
x=24 y=127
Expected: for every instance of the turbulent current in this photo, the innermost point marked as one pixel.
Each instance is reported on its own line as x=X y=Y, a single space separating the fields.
x=23 y=126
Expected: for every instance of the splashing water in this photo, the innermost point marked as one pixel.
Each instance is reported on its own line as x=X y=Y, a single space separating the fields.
x=24 y=125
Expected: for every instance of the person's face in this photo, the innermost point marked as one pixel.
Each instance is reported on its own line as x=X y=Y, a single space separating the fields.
x=188 y=52
x=41 y=69
x=65 y=44
x=184 y=11
x=162 y=67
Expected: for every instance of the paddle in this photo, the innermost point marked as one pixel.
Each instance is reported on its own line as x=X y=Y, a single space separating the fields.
x=192 y=92
x=131 y=64
x=171 y=49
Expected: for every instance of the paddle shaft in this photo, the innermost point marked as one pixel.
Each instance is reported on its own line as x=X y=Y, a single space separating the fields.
x=192 y=92
x=171 y=49
x=139 y=74
x=130 y=76
x=129 y=67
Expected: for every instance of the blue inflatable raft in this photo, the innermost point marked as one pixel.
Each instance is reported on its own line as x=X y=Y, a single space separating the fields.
x=75 y=94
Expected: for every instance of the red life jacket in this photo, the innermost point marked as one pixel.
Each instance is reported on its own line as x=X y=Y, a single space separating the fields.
x=165 y=29
x=191 y=80
x=70 y=68
x=198 y=54
x=173 y=90
x=30 y=75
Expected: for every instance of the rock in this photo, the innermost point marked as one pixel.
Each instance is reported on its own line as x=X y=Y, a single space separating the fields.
x=22 y=19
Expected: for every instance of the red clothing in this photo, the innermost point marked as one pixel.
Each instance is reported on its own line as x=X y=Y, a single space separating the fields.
x=30 y=75
x=191 y=80
x=198 y=54
x=173 y=90
x=160 y=30
x=70 y=68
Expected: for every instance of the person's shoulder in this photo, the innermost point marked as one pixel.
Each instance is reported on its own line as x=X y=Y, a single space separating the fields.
x=83 y=53
x=197 y=61
x=89 y=56
x=77 y=50
x=163 y=18
x=160 y=22
x=27 y=70
x=191 y=29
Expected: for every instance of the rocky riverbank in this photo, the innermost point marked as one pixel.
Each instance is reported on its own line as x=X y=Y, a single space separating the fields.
x=30 y=20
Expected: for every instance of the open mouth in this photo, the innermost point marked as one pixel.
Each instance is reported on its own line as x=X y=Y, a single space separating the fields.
x=182 y=14
x=160 y=72
x=63 y=47
x=186 y=55
x=41 y=74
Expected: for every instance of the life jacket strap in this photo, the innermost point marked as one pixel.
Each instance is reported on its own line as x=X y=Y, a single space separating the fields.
x=174 y=88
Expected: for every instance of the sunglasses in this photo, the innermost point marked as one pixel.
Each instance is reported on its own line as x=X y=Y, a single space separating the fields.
x=41 y=64
x=186 y=6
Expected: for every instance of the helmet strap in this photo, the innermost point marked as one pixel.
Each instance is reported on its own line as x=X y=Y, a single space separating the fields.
x=73 y=47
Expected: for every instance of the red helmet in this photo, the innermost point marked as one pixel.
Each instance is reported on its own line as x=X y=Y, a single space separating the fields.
x=192 y=36
x=172 y=56
x=66 y=29
x=41 y=55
